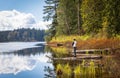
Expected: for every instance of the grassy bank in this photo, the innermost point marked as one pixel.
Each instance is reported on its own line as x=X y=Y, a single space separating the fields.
x=87 y=42
x=64 y=39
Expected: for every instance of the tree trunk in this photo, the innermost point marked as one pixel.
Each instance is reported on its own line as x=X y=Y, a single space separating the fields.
x=78 y=15
x=67 y=25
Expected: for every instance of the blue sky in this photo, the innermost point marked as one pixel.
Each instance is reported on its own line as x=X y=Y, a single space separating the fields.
x=28 y=6
x=16 y=14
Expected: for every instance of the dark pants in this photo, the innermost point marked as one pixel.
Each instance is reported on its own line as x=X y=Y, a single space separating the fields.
x=75 y=50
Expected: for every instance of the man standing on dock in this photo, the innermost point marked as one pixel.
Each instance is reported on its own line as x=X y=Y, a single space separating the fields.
x=74 y=45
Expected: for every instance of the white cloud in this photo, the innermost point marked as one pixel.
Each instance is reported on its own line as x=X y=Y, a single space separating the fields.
x=42 y=24
x=10 y=20
x=14 y=64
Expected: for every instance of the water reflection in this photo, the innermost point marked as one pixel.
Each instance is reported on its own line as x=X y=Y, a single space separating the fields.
x=50 y=72
x=26 y=52
x=107 y=67
x=14 y=46
x=15 y=64
x=28 y=62
x=33 y=63
x=111 y=67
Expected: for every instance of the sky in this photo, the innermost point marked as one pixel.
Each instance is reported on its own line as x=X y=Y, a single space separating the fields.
x=16 y=14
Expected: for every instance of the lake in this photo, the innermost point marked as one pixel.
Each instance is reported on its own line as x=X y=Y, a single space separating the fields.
x=23 y=59
x=29 y=59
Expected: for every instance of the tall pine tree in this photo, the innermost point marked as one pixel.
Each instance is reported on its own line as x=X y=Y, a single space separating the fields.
x=50 y=11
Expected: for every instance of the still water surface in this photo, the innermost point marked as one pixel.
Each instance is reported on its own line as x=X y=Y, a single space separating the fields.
x=28 y=60
x=23 y=59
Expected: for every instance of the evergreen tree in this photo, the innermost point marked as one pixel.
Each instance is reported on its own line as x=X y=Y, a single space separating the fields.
x=91 y=11
x=111 y=17
x=67 y=14
x=22 y=35
x=50 y=10
x=91 y=17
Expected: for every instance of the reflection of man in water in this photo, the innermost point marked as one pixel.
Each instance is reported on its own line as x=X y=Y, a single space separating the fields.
x=74 y=44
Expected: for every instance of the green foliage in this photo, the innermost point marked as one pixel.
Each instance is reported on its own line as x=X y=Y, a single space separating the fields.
x=83 y=63
x=80 y=70
x=59 y=51
x=70 y=38
x=50 y=11
x=110 y=16
x=84 y=17
x=67 y=18
x=91 y=12
x=47 y=38
x=67 y=69
x=22 y=35
x=77 y=70
x=59 y=67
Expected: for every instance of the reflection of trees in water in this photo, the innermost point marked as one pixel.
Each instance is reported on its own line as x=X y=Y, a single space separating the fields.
x=49 y=72
x=28 y=51
x=112 y=67
x=79 y=70
x=47 y=49
x=107 y=67
x=59 y=51
x=74 y=69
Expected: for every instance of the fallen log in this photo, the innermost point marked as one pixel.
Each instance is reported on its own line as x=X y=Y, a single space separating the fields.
x=59 y=44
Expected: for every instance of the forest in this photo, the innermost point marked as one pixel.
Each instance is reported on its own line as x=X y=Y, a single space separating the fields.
x=95 y=18
x=92 y=25
x=22 y=35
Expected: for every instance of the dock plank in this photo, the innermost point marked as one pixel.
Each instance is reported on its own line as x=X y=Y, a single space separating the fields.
x=77 y=58
x=92 y=50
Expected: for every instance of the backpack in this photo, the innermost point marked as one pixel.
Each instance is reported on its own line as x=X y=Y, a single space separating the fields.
x=72 y=43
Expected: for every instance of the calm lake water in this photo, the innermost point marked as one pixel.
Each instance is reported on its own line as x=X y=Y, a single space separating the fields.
x=23 y=59
x=29 y=60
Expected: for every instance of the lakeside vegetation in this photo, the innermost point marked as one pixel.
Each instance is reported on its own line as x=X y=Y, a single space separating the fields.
x=87 y=42
x=89 y=69
x=79 y=70
x=95 y=24
x=82 y=19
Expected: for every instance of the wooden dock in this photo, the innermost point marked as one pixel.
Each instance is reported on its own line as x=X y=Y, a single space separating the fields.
x=77 y=57
x=92 y=50
x=78 y=54
x=83 y=54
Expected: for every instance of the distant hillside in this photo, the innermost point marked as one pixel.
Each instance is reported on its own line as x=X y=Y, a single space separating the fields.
x=22 y=35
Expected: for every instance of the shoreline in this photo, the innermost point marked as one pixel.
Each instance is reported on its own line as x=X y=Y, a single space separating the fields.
x=89 y=44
